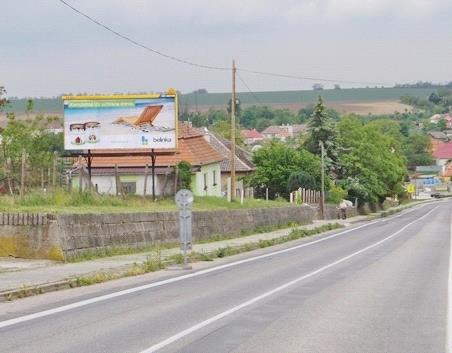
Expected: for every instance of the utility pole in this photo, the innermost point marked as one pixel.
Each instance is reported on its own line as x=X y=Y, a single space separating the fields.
x=322 y=193
x=233 y=133
x=22 y=173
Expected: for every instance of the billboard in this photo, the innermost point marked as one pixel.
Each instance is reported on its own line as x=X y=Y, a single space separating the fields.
x=120 y=121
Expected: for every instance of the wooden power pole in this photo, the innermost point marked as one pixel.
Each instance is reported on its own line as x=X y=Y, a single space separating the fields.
x=232 y=163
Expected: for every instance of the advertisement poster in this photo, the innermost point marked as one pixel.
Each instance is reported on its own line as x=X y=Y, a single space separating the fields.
x=119 y=122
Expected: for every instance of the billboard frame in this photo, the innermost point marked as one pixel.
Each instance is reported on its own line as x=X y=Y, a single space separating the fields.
x=171 y=93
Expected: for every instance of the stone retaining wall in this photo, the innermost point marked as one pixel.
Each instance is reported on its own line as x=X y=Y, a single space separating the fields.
x=29 y=235
x=62 y=236
x=79 y=233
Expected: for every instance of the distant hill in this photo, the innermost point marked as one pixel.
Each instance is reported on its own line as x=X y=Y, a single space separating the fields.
x=344 y=100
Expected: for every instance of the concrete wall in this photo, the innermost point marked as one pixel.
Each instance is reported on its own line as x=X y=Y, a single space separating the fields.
x=59 y=236
x=27 y=235
x=78 y=233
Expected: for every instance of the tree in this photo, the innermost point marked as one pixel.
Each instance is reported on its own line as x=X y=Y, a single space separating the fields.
x=223 y=128
x=322 y=128
x=250 y=116
x=214 y=115
x=442 y=125
x=275 y=163
x=238 y=107
x=434 y=98
x=417 y=150
x=317 y=87
x=305 y=114
x=371 y=167
x=198 y=120
x=301 y=179
x=184 y=175
x=32 y=137
x=3 y=100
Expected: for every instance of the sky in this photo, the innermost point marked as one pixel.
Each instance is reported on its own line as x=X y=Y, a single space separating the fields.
x=46 y=49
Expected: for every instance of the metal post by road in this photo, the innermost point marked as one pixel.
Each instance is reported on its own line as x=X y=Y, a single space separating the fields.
x=184 y=199
x=322 y=196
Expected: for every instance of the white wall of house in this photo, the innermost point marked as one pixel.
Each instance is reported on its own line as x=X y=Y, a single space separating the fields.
x=442 y=162
x=207 y=182
x=106 y=184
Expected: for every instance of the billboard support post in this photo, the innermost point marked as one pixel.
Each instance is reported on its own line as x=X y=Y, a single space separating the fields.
x=153 y=157
x=89 y=170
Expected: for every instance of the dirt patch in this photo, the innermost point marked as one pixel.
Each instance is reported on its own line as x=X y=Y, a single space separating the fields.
x=343 y=107
x=375 y=108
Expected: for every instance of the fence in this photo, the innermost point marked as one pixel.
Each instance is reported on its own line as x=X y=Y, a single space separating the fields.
x=305 y=196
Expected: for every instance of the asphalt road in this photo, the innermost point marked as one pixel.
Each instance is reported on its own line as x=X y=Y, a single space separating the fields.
x=381 y=286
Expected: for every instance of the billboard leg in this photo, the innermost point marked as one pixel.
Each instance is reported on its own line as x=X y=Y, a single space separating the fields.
x=153 y=157
x=89 y=170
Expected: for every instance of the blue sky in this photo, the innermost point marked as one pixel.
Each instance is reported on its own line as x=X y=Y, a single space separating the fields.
x=46 y=49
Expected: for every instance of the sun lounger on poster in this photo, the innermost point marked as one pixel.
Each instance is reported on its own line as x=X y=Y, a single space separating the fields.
x=146 y=117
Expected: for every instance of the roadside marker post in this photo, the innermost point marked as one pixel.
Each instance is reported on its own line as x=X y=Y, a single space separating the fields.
x=184 y=200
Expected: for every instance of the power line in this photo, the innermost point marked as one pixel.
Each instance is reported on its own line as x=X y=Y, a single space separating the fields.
x=313 y=78
x=211 y=67
x=249 y=89
x=134 y=42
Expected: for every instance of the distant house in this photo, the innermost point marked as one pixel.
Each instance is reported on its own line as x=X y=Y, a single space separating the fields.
x=192 y=147
x=437 y=138
x=443 y=157
x=435 y=119
x=299 y=129
x=252 y=137
x=283 y=132
x=278 y=132
x=438 y=135
x=243 y=159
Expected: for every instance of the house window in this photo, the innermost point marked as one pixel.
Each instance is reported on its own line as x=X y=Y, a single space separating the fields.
x=129 y=187
x=205 y=181
x=214 y=175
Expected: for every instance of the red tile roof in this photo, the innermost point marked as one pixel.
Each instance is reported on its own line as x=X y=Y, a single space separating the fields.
x=192 y=147
x=252 y=134
x=443 y=151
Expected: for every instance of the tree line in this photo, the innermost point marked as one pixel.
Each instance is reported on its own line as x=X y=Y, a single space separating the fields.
x=366 y=159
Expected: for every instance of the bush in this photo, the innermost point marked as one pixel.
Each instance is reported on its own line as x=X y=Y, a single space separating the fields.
x=336 y=194
x=184 y=170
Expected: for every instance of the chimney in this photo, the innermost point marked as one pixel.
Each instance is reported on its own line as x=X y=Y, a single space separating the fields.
x=206 y=135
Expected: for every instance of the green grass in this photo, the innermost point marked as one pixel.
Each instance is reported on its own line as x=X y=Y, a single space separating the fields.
x=63 y=202
x=88 y=255
x=155 y=262
x=245 y=233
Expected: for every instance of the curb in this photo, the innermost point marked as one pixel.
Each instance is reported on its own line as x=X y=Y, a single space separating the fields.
x=26 y=291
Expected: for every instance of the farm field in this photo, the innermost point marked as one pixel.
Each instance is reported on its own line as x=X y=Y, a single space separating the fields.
x=345 y=107
x=354 y=100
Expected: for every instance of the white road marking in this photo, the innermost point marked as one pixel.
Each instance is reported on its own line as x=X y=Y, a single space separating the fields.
x=49 y=312
x=449 y=298
x=234 y=309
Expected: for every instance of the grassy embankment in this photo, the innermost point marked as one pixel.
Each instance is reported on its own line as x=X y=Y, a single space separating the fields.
x=63 y=202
